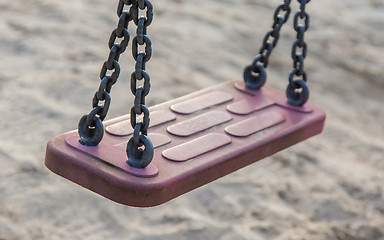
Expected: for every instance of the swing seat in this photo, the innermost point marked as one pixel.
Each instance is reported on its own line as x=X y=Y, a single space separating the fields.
x=197 y=138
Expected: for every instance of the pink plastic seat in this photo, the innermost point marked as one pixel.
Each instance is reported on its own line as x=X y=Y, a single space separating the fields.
x=197 y=138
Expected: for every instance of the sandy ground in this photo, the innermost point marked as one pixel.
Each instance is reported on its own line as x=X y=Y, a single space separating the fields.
x=330 y=187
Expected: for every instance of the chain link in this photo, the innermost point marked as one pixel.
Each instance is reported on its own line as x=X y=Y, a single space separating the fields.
x=255 y=75
x=139 y=148
x=91 y=129
x=297 y=90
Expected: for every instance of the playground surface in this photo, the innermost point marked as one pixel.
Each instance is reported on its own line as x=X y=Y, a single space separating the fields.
x=329 y=187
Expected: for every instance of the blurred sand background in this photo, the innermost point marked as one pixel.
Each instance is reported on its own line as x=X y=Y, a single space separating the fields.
x=330 y=187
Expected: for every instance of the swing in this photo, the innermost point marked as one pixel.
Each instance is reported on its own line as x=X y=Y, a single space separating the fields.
x=192 y=140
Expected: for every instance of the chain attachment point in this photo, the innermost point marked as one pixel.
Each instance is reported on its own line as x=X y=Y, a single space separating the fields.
x=140 y=156
x=91 y=129
x=255 y=75
x=297 y=93
x=255 y=78
x=139 y=148
x=297 y=90
x=90 y=134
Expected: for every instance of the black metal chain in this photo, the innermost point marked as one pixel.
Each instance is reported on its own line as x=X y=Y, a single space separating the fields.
x=91 y=129
x=139 y=148
x=298 y=91
x=255 y=75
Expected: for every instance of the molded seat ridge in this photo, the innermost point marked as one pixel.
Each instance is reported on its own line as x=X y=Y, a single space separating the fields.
x=198 y=138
